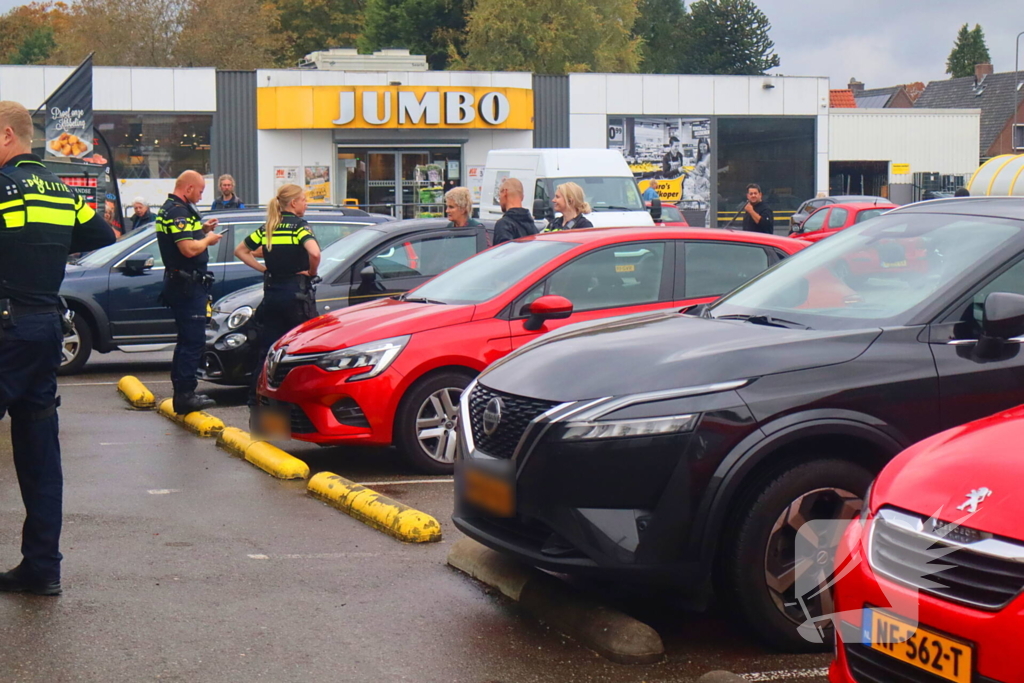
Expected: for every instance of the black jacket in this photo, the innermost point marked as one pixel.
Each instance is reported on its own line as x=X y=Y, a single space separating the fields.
x=767 y=223
x=517 y=222
x=144 y=219
x=577 y=223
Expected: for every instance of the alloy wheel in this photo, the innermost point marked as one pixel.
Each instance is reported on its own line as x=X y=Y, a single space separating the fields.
x=71 y=346
x=790 y=567
x=436 y=422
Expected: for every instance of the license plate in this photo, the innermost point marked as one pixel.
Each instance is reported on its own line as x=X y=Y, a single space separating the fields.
x=949 y=659
x=488 y=492
x=273 y=422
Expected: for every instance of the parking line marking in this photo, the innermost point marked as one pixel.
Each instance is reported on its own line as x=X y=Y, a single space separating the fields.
x=163 y=492
x=117 y=443
x=440 y=480
x=109 y=384
x=310 y=556
x=786 y=675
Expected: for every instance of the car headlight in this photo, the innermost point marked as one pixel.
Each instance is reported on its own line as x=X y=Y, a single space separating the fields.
x=239 y=317
x=376 y=355
x=615 y=429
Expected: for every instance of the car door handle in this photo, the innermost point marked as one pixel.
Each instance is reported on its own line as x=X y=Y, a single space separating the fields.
x=970 y=342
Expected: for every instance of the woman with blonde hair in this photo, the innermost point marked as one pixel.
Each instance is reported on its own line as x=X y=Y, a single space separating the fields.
x=458 y=206
x=291 y=256
x=570 y=202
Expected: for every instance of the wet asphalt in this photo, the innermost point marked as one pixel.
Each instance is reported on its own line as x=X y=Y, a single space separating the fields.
x=184 y=563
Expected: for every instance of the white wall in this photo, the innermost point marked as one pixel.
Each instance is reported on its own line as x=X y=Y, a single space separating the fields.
x=930 y=140
x=291 y=148
x=117 y=88
x=594 y=97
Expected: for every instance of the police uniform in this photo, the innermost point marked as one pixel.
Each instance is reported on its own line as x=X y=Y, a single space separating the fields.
x=41 y=222
x=187 y=285
x=288 y=299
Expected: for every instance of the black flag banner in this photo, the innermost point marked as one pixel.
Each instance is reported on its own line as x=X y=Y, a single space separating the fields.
x=69 y=115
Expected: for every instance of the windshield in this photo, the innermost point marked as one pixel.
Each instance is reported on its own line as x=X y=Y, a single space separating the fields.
x=338 y=253
x=876 y=274
x=490 y=273
x=603 y=194
x=104 y=254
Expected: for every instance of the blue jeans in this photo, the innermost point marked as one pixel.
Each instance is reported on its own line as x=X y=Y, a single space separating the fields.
x=188 y=302
x=30 y=354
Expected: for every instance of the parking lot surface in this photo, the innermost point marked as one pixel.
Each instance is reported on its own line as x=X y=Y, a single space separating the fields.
x=185 y=563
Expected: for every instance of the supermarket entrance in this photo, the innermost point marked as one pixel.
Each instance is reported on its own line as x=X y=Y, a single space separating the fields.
x=406 y=182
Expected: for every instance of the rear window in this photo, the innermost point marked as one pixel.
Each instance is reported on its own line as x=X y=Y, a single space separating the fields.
x=870 y=213
x=671 y=214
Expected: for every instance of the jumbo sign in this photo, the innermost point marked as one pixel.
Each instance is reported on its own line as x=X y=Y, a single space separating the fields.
x=304 y=107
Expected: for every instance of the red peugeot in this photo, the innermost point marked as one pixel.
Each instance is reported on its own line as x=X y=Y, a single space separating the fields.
x=392 y=370
x=828 y=220
x=931 y=576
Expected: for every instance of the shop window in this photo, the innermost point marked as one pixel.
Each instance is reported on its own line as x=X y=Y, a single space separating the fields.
x=157 y=145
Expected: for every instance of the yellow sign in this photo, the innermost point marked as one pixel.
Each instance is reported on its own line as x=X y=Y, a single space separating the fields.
x=900 y=169
x=423 y=107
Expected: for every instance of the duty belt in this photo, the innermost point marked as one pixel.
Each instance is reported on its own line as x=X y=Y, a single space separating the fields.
x=285 y=279
x=196 y=276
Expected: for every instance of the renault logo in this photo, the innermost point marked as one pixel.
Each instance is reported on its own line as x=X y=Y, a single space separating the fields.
x=492 y=416
x=273 y=358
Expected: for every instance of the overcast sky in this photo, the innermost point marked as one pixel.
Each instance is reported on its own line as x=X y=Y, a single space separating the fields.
x=880 y=42
x=886 y=42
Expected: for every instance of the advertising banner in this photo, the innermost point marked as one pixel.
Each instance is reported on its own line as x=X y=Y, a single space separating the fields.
x=671 y=153
x=318 y=184
x=475 y=182
x=68 y=123
x=285 y=175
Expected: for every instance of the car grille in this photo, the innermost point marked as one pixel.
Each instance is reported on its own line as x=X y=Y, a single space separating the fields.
x=870 y=666
x=987 y=580
x=516 y=414
x=283 y=368
x=300 y=422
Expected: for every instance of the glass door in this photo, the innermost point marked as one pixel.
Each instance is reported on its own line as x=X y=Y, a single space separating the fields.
x=381 y=182
x=401 y=182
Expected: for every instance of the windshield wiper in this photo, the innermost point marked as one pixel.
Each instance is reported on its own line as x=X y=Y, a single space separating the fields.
x=765 y=320
x=420 y=300
x=615 y=208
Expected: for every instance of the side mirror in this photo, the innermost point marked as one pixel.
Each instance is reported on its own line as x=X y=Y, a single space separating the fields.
x=1004 y=315
x=541 y=210
x=368 y=274
x=551 y=307
x=138 y=264
x=655 y=209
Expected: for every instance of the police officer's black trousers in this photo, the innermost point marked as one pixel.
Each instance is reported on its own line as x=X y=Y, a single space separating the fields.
x=188 y=302
x=30 y=354
x=284 y=306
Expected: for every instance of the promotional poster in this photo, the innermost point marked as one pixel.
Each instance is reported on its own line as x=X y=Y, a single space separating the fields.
x=318 y=184
x=68 y=124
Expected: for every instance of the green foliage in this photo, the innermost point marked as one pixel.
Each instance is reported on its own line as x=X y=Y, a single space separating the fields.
x=970 y=49
x=662 y=26
x=425 y=27
x=729 y=37
x=551 y=36
x=311 y=25
x=36 y=47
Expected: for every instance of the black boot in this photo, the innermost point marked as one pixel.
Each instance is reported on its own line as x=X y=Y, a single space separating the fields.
x=191 y=402
x=18 y=580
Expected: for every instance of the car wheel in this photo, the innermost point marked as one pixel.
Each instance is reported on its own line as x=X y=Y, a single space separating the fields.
x=777 y=585
x=427 y=421
x=77 y=347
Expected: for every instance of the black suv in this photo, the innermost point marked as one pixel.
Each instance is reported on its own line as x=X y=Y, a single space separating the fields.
x=693 y=448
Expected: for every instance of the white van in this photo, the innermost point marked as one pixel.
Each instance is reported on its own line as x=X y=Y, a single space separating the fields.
x=603 y=174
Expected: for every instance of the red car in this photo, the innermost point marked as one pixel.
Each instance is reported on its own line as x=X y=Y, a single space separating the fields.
x=392 y=370
x=671 y=216
x=830 y=219
x=932 y=573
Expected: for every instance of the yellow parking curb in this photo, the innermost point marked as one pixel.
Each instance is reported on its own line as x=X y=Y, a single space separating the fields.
x=136 y=393
x=199 y=422
x=370 y=507
x=267 y=457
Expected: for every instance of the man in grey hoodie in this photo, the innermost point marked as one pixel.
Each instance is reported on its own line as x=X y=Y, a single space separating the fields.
x=517 y=221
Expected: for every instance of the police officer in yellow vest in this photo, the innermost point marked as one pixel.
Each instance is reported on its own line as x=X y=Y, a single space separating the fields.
x=291 y=256
x=41 y=222
x=184 y=241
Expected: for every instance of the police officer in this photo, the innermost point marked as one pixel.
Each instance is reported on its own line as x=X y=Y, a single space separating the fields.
x=184 y=242
x=41 y=222
x=291 y=256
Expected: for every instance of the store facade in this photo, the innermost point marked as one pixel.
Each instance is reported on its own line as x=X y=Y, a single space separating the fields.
x=390 y=142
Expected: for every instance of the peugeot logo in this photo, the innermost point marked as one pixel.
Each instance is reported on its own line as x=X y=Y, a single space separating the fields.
x=492 y=416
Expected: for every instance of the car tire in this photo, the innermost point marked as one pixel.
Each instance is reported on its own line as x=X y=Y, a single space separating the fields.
x=427 y=420
x=77 y=347
x=753 y=574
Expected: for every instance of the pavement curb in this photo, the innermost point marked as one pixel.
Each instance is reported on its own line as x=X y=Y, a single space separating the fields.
x=267 y=457
x=721 y=677
x=612 y=634
x=200 y=423
x=374 y=509
x=136 y=393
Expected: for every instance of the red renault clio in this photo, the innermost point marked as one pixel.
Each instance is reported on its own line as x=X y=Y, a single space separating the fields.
x=392 y=370
x=931 y=575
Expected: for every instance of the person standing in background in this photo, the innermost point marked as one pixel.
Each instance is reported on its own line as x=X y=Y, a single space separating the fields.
x=572 y=204
x=141 y=214
x=228 y=199
x=651 y=193
x=517 y=221
x=458 y=207
x=757 y=216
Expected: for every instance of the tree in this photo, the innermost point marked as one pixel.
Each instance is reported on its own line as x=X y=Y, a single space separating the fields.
x=662 y=26
x=729 y=37
x=425 y=27
x=27 y=32
x=551 y=36
x=968 y=50
x=251 y=27
x=311 y=25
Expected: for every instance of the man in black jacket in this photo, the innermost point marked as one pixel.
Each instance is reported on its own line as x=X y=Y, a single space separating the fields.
x=517 y=221
x=757 y=216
